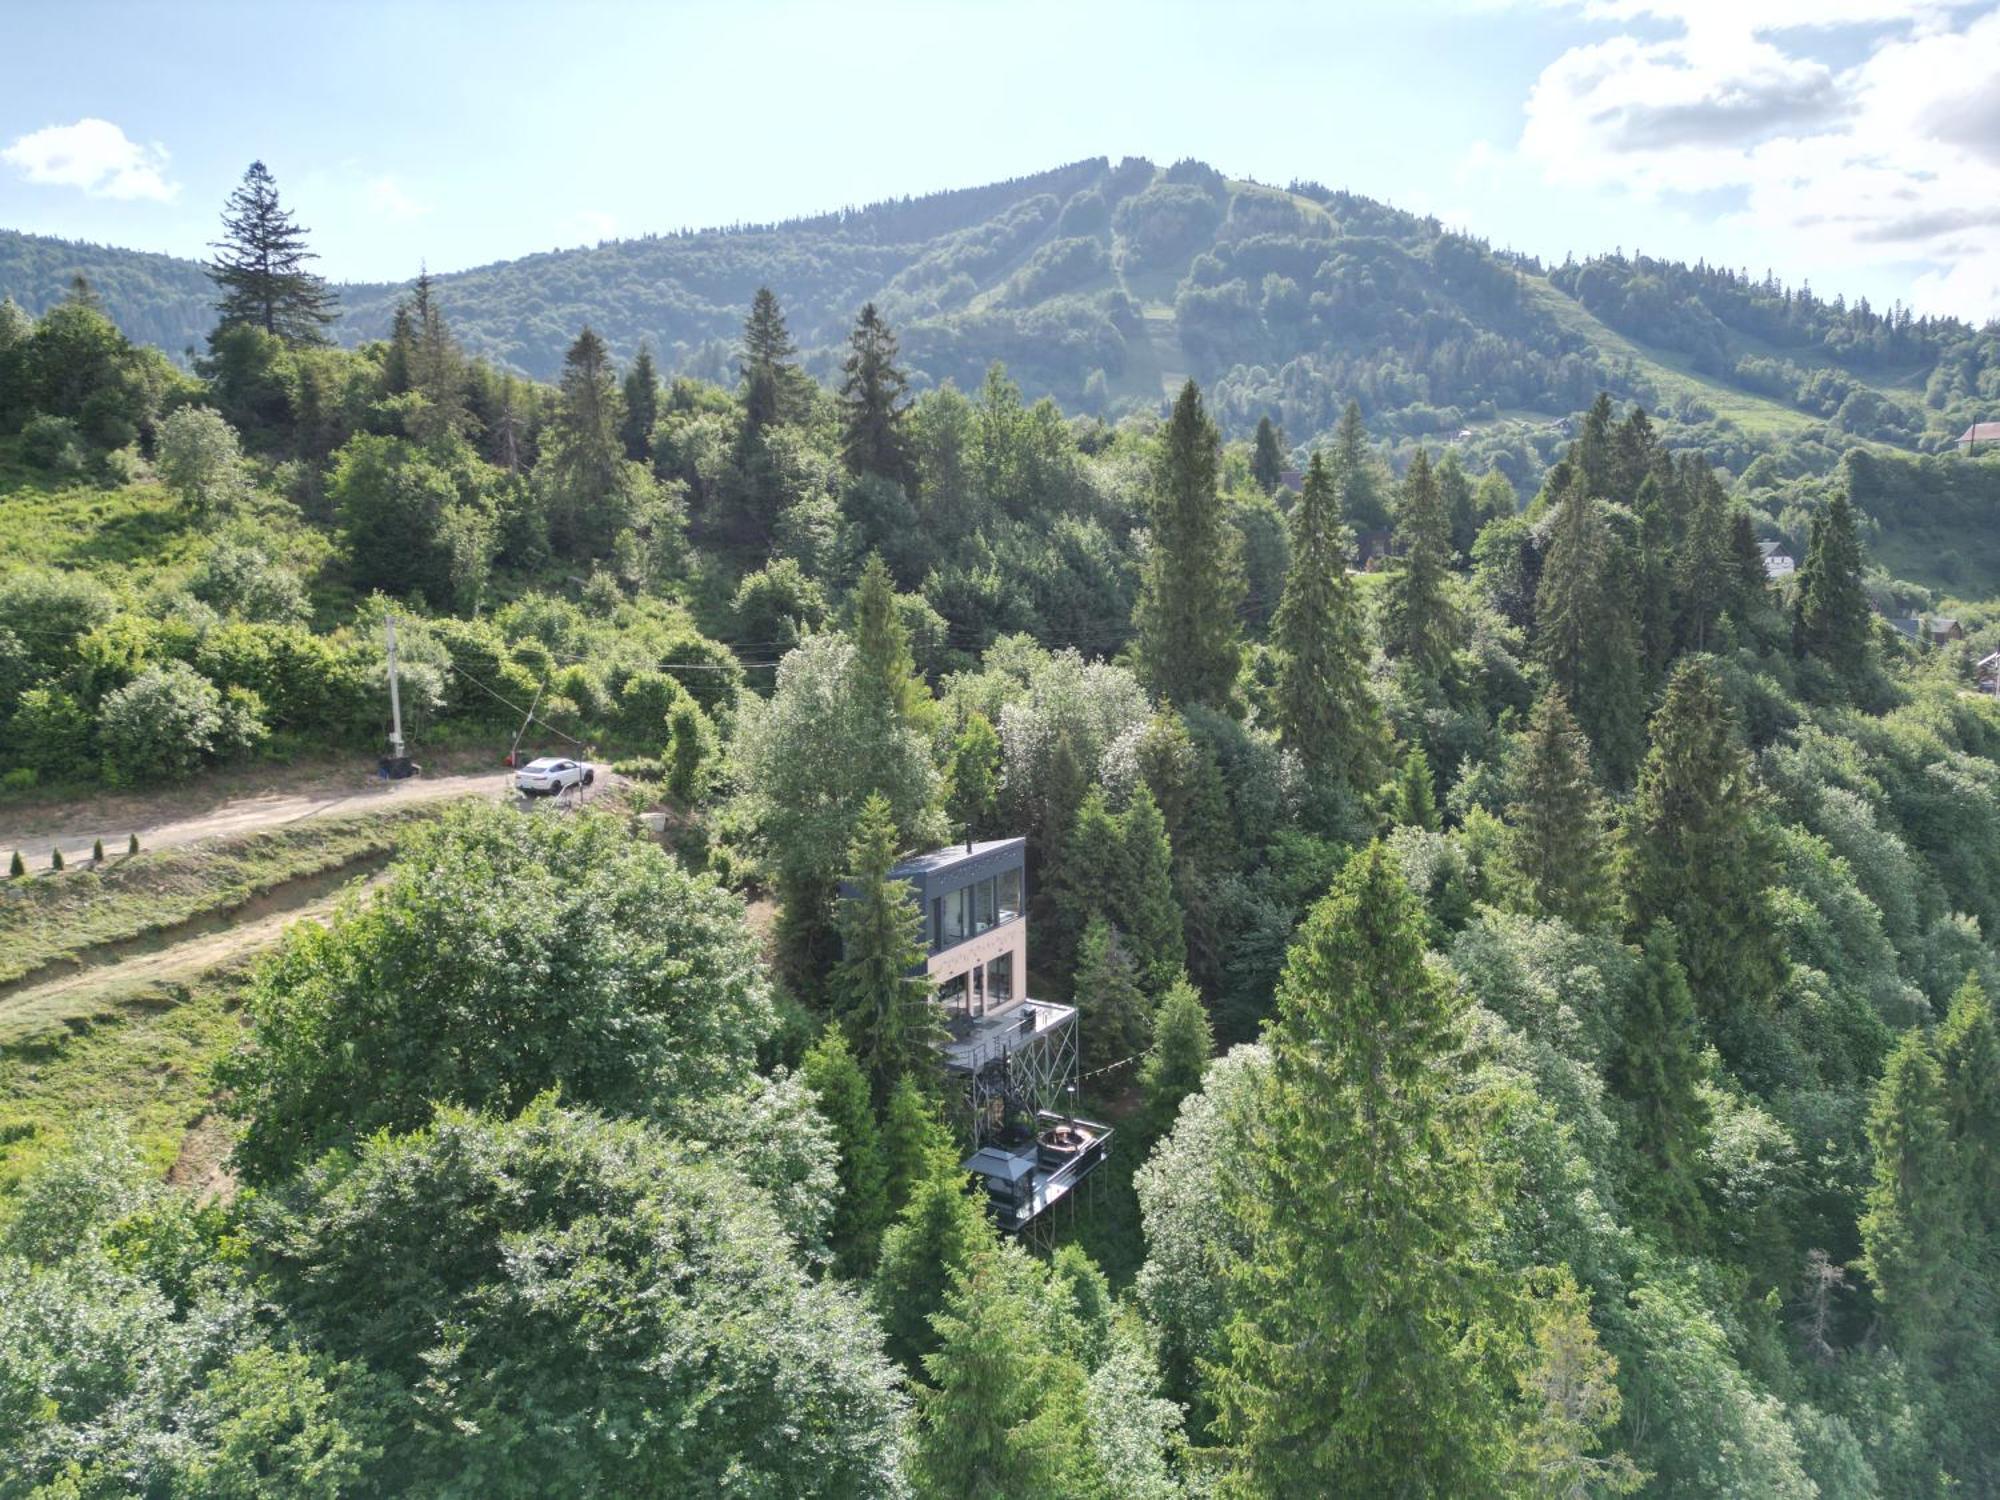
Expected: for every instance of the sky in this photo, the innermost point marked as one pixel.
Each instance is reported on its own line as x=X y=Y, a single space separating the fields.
x=1853 y=144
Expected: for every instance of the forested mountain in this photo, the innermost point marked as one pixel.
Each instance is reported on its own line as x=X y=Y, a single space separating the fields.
x=1105 y=284
x=1536 y=958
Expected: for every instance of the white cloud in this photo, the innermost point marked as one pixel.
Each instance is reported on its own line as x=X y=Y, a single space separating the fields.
x=1894 y=159
x=97 y=157
x=388 y=197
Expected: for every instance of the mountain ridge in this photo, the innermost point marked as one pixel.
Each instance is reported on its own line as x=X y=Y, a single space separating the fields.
x=1103 y=284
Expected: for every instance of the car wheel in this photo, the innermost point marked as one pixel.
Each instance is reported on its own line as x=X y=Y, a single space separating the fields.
x=589 y=777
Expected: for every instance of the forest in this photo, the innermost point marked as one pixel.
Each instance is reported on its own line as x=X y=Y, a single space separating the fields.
x=1534 y=955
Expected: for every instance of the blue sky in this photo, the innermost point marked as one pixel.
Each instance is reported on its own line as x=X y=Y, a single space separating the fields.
x=1852 y=142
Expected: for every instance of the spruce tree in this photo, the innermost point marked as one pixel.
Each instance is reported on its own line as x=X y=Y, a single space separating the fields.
x=1655 y=1069
x=1145 y=908
x=1969 y=1051
x=877 y=986
x=1419 y=619
x=1595 y=452
x=913 y=1135
x=1635 y=454
x=1360 y=1352
x=1183 y=1044
x=972 y=788
x=861 y=1210
x=1830 y=609
x=1556 y=837
x=1750 y=585
x=582 y=470
x=1913 y=1229
x=1267 y=460
x=1357 y=477
x=434 y=368
x=885 y=672
x=873 y=402
x=1584 y=635
x=1005 y=1415
x=1461 y=506
x=642 y=406
x=1696 y=856
x=17 y=866
x=1415 y=801
x=1322 y=703
x=1706 y=574
x=769 y=365
x=260 y=267
x=939 y=1231
x=1112 y=1014
x=1189 y=636
x=1656 y=593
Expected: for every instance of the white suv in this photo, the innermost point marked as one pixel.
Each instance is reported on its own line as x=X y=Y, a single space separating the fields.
x=547 y=776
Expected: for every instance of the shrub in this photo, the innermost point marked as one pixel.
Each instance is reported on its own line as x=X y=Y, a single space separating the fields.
x=53 y=445
x=17 y=866
x=55 y=859
x=50 y=732
x=169 y=720
x=97 y=851
x=201 y=460
x=132 y=845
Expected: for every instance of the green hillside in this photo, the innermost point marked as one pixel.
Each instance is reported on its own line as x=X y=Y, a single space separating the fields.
x=1104 y=284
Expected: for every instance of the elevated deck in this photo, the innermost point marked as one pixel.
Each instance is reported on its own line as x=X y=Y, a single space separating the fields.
x=999 y=1033
x=1027 y=1179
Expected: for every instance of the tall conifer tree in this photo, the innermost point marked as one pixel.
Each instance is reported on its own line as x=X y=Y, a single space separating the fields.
x=1696 y=856
x=884 y=669
x=769 y=365
x=583 y=477
x=873 y=402
x=1706 y=574
x=1655 y=1069
x=1357 y=477
x=1267 y=459
x=1190 y=638
x=1913 y=1231
x=862 y=1208
x=642 y=406
x=1363 y=1316
x=1556 y=826
x=1323 y=706
x=260 y=266
x=1830 y=609
x=1584 y=633
x=1183 y=1045
x=877 y=987
x=1969 y=1051
x=1420 y=621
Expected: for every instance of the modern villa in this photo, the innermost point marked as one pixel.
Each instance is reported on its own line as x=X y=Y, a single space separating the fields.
x=1012 y=1059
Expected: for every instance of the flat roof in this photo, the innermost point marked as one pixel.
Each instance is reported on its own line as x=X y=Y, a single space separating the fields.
x=943 y=859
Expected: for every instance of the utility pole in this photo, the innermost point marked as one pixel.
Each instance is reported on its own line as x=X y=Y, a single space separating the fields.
x=395 y=693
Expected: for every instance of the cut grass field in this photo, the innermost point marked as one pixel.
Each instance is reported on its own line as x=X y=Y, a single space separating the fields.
x=61 y=918
x=124 y=984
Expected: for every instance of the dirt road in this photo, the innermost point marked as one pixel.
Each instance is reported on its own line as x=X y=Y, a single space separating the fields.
x=240 y=814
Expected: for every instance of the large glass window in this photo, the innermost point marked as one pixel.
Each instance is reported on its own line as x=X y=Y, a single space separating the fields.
x=955 y=995
x=953 y=929
x=937 y=923
x=1009 y=886
x=1000 y=980
x=982 y=906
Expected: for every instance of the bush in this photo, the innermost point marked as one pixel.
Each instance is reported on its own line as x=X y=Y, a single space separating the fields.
x=201 y=460
x=53 y=445
x=168 y=721
x=50 y=733
x=17 y=866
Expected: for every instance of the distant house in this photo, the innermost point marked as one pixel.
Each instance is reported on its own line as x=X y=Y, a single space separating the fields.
x=1989 y=674
x=1943 y=629
x=1969 y=441
x=1293 y=480
x=1776 y=564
